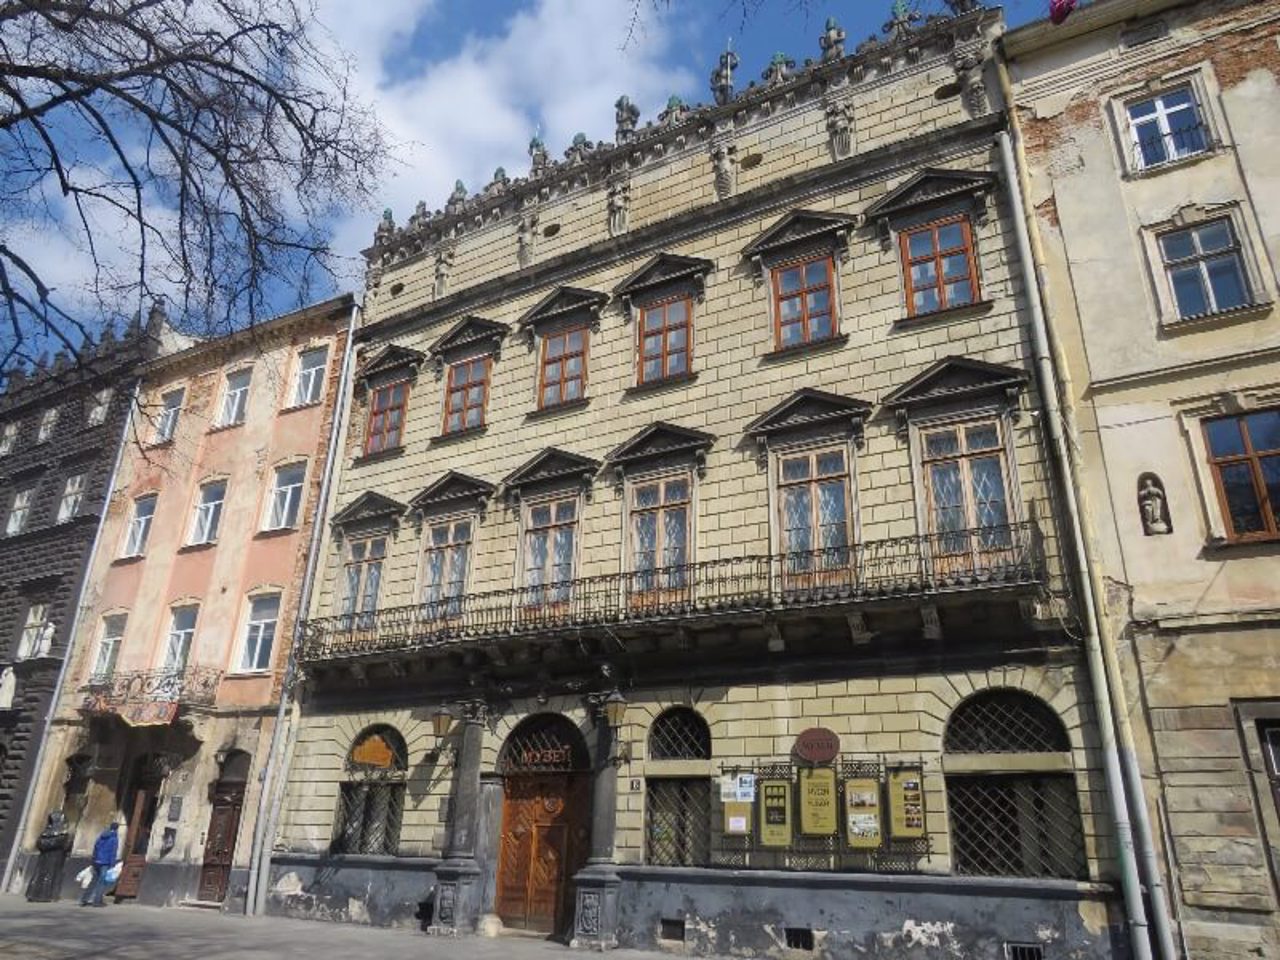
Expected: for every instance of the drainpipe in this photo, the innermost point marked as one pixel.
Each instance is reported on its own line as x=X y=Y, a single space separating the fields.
x=1152 y=872
x=38 y=766
x=1130 y=884
x=272 y=794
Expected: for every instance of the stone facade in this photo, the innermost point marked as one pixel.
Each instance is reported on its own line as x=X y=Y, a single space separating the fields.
x=1158 y=379
x=458 y=660
x=164 y=724
x=42 y=561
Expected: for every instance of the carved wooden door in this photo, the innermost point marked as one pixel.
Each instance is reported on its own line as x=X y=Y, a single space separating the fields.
x=544 y=840
x=220 y=841
x=142 y=815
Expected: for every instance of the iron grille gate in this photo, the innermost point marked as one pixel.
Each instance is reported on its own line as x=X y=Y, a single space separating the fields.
x=369 y=814
x=1016 y=825
x=830 y=853
x=678 y=828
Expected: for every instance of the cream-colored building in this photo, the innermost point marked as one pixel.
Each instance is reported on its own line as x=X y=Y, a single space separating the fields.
x=1151 y=134
x=695 y=575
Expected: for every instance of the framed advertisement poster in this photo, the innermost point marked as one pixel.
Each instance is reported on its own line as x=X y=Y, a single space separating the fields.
x=862 y=817
x=737 y=818
x=906 y=803
x=775 y=813
x=818 y=815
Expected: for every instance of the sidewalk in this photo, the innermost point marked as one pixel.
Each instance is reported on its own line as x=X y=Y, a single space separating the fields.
x=66 y=931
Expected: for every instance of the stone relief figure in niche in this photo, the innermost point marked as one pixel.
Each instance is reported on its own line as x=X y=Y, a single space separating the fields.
x=625 y=115
x=525 y=232
x=1153 y=506
x=618 y=201
x=832 y=41
x=722 y=158
x=968 y=68
x=444 y=264
x=840 y=128
x=722 y=78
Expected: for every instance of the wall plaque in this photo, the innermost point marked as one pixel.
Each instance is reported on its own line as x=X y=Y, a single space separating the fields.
x=817 y=745
x=906 y=802
x=862 y=813
x=775 y=813
x=818 y=801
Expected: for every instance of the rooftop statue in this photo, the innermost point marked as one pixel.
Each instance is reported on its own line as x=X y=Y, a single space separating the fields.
x=626 y=115
x=722 y=77
x=832 y=41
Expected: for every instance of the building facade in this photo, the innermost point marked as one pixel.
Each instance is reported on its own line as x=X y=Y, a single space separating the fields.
x=60 y=427
x=696 y=575
x=170 y=699
x=1150 y=134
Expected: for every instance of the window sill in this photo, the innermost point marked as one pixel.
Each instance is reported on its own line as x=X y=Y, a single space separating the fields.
x=388 y=454
x=656 y=386
x=963 y=312
x=1142 y=173
x=224 y=427
x=802 y=349
x=567 y=407
x=160 y=444
x=128 y=560
x=247 y=674
x=1270 y=541
x=197 y=547
x=301 y=406
x=274 y=533
x=1201 y=321
x=456 y=435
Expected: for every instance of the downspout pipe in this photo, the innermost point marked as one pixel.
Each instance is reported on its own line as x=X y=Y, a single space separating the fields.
x=1130 y=884
x=1157 y=892
x=273 y=776
x=34 y=787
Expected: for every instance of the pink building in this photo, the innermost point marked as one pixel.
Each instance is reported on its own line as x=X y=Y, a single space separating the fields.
x=188 y=614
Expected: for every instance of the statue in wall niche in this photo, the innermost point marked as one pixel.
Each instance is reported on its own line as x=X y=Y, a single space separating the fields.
x=618 y=201
x=525 y=231
x=52 y=844
x=781 y=68
x=968 y=67
x=8 y=688
x=722 y=165
x=625 y=116
x=840 y=127
x=1153 y=506
x=722 y=78
x=832 y=41
x=444 y=263
x=539 y=159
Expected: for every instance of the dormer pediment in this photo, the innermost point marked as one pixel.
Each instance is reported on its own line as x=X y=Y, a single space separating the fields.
x=551 y=465
x=467 y=333
x=954 y=379
x=808 y=408
x=453 y=490
x=564 y=302
x=367 y=508
x=663 y=270
x=930 y=187
x=390 y=361
x=801 y=227
x=659 y=440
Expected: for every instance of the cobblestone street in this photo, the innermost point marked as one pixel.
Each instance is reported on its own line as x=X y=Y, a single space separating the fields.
x=64 y=931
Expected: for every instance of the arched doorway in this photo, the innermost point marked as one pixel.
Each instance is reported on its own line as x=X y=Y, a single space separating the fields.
x=224 y=826
x=545 y=818
x=141 y=801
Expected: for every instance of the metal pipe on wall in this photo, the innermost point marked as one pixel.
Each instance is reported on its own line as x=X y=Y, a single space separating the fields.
x=271 y=795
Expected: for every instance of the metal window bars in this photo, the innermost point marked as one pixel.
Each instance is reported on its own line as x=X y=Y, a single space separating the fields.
x=369 y=815
x=679 y=734
x=1016 y=825
x=1159 y=149
x=984 y=558
x=1005 y=721
x=678 y=821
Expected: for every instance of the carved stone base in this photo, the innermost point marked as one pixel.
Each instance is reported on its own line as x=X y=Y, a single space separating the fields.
x=595 y=914
x=457 y=907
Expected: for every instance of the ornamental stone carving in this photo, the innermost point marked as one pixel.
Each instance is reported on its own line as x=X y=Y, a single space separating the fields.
x=539 y=159
x=781 y=68
x=959 y=8
x=832 y=41
x=840 y=128
x=969 y=71
x=386 y=227
x=723 y=157
x=589 y=914
x=457 y=198
x=722 y=78
x=1153 y=506
x=444 y=265
x=579 y=150
x=526 y=233
x=625 y=115
x=675 y=114
x=618 y=202
x=901 y=20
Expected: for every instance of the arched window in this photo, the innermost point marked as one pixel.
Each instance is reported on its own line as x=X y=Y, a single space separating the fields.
x=372 y=799
x=1011 y=789
x=678 y=805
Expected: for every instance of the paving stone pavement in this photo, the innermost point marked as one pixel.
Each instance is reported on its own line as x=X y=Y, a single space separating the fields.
x=66 y=931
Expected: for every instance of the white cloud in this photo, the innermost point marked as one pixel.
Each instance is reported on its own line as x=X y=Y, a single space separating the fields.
x=558 y=65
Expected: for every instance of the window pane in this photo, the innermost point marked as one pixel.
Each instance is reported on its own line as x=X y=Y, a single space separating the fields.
x=958 y=294
x=950 y=236
x=988 y=492
x=815 y=273
x=1146 y=108
x=572 y=389
x=540 y=516
x=653 y=319
x=796 y=519
x=1189 y=291
x=566 y=510
x=676 y=339
x=1242 y=498
x=551 y=372
x=1151 y=145
x=1264 y=430
x=920 y=244
x=555 y=347
x=924 y=274
x=653 y=369
x=1270 y=467
x=792 y=334
x=677 y=312
x=474 y=417
x=575 y=342
x=982 y=437
x=647 y=496
x=941 y=444
x=1224 y=437
x=536 y=565
x=653 y=345
x=1227 y=282
x=573 y=367
x=646 y=541
x=1177 y=246
x=1214 y=236
x=1176 y=98
x=818 y=302
x=820 y=327
x=829 y=463
x=675 y=491
x=789 y=280
x=925 y=301
x=674 y=527
x=832 y=515
x=948 y=505
x=551 y=395
x=1186 y=133
x=677 y=363
x=789 y=309
x=795 y=468
x=955 y=265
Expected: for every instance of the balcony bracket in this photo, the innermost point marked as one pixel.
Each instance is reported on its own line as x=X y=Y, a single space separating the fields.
x=931 y=622
x=777 y=643
x=858 y=630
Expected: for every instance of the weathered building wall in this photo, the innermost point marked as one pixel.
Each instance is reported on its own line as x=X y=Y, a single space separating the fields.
x=1193 y=607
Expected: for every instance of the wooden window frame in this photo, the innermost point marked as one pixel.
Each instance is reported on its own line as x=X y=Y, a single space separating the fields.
x=448 y=606
x=939 y=285
x=1198 y=261
x=452 y=386
x=530 y=529
x=357 y=617
x=664 y=331
x=675 y=585
x=563 y=333
x=826 y=573
x=1252 y=458
x=803 y=261
x=375 y=411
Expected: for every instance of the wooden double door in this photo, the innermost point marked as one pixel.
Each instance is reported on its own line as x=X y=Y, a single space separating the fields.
x=143 y=800
x=544 y=843
x=220 y=841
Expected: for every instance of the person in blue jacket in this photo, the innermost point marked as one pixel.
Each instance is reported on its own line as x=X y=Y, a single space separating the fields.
x=104 y=858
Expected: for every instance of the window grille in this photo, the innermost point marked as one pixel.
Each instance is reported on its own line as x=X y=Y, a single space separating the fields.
x=544 y=743
x=1023 y=951
x=678 y=822
x=371 y=803
x=1005 y=721
x=1016 y=825
x=679 y=734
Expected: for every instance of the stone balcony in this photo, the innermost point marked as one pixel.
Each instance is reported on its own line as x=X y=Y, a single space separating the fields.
x=151 y=696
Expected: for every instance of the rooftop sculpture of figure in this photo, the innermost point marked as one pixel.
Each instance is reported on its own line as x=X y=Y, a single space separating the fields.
x=626 y=115
x=722 y=78
x=832 y=41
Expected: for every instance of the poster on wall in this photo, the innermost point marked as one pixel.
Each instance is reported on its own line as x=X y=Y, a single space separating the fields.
x=862 y=824
x=775 y=813
x=737 y=818
x=746 y=792
x=818 y=817
x=728 y=788
x=906 y=802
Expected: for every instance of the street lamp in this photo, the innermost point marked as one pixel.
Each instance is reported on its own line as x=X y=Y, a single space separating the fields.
x=441 y=721
x=615 y=709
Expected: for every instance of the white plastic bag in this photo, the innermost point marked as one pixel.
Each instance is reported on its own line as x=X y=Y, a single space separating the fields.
x=113 y=874
x=85 y=877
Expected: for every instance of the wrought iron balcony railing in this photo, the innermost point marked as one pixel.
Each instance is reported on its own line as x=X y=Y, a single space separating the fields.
x=156 y=694
x=918 y=566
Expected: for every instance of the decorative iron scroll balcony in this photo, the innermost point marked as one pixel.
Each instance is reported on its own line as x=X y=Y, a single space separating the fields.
x=918 y=566
x=151 y=696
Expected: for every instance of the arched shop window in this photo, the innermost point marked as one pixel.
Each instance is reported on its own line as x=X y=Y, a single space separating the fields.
x=371 y=802
x=1011 y=789
x=678 y=807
